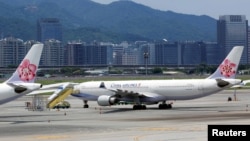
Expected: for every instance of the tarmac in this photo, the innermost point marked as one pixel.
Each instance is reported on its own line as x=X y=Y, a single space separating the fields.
x=188 y=120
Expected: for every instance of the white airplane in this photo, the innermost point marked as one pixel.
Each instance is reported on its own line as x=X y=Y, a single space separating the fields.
x=22 y=80
x=143 y=92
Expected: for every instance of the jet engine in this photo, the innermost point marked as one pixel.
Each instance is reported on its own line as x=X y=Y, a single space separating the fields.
x=105 y=100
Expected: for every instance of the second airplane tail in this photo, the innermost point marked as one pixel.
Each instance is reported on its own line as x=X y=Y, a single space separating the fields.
x=26 y=71
x=228 y=68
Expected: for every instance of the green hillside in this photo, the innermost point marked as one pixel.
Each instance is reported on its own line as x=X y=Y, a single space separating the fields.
x=118 y=21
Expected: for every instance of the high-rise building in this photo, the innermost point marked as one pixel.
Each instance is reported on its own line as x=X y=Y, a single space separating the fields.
x=12 y=51
x=248 y=44
x=80 y=53
x=193 y=53
x=49 y=28
x=96 y=54
x=232 y=31
x=53 y=53
x=129 y=56
x=167 y=53
x=146 y=53
x=213 y=53
x=75 y=53
x=117 y=54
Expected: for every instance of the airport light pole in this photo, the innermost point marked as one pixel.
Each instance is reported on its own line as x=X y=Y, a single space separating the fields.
x=146 y=55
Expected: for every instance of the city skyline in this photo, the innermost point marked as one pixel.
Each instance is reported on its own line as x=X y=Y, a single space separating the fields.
x=161 y=52
x=212 y=8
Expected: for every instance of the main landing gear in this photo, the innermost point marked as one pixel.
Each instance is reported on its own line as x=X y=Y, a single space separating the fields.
x=164 y=105
x=139 y=107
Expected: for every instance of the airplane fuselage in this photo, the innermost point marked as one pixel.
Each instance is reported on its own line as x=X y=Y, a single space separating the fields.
x=9 y=92
x=154 y=90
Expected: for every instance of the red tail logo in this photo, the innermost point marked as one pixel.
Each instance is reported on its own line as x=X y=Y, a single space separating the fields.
x=227 y=69
x=27 y=71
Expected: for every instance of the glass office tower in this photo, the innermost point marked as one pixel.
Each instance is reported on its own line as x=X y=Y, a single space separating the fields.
x=49 y=28
x=232 y=31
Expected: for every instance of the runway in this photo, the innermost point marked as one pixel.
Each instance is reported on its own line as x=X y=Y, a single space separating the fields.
x=187 y=120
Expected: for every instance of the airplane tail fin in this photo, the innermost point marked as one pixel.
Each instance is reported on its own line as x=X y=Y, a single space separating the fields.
x=26 y=71
x=228 y=68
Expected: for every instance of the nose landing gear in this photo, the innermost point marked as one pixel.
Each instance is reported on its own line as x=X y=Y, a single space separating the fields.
x=85 y=104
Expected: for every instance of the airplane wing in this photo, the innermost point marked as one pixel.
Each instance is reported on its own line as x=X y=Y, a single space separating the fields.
x=51 y=88
x=37 y=92
x=124 y=93
x=243 y=84
x=129 y=96
x=20 y=87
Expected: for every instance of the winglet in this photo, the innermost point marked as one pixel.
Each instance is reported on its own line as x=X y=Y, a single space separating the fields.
x=228 y=68
x=26 y=71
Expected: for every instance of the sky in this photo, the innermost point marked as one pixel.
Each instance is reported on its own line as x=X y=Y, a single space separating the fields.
x=212 y=8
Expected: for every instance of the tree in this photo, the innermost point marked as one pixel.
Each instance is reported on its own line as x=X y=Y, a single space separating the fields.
x=157 y=70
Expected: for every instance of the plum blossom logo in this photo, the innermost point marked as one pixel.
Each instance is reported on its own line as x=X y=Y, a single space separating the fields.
x=27 y=71
x=227 y=69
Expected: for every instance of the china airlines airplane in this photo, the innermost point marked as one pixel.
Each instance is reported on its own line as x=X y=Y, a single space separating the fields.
x=22 y=80
x=143 y=92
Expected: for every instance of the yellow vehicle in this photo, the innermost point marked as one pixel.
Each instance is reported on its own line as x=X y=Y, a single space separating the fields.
x=63 y=105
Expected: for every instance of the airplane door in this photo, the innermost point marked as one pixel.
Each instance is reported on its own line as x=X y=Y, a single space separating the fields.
x=102 y=85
